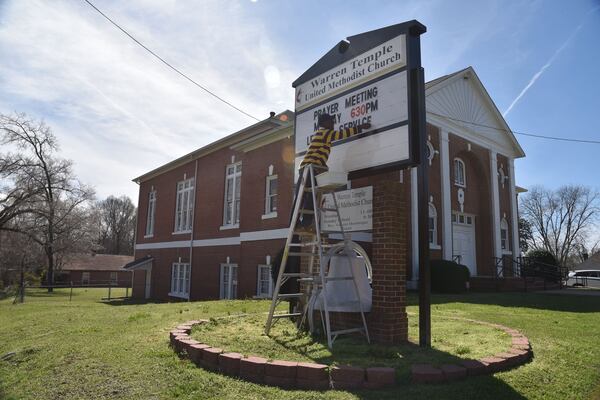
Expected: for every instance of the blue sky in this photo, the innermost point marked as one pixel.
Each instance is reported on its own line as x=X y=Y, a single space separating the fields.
x=118 y=113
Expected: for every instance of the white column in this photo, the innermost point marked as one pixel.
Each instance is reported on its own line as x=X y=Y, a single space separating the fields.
x=414 y=225
x=446 y=191
x=514 y=211
x=497 y=248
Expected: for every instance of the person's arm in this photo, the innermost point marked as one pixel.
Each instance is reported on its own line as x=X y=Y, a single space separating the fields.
x=346 y=133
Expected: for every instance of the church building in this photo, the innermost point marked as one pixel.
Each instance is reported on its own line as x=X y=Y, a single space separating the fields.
x=209 y=223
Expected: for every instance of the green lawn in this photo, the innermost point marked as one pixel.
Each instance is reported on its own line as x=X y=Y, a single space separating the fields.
x=455 y=339
x=86 y=349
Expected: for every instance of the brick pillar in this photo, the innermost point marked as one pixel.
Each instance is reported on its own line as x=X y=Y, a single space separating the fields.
x=387 y=321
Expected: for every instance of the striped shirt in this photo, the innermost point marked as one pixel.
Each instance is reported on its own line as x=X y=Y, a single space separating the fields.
x=320 y=145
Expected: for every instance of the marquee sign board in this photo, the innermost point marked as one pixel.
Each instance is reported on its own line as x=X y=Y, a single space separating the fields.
x=368 y=78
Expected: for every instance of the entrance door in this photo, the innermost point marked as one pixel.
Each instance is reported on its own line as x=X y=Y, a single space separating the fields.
x=463 y=245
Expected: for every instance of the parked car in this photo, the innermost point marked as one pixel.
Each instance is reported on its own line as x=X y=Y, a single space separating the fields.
x=587 y=277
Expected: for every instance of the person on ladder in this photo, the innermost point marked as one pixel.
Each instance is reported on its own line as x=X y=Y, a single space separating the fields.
x=318 y=154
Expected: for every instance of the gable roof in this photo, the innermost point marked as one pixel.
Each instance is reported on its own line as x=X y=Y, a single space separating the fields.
x=448 y=99
x=283 y=119
x=95 y=262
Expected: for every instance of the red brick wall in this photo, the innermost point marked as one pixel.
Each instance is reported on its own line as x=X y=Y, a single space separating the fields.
x=255 y=170
x=504 y=196
x=210 y=188
x=435 y=184
x=138 y=290
x=251 y=255
x=477 y=196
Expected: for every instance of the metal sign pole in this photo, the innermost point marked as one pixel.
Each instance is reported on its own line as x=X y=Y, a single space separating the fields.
x=417 y=109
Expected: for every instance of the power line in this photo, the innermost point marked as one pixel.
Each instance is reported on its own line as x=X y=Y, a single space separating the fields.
x=520 y=133
x=167 y=64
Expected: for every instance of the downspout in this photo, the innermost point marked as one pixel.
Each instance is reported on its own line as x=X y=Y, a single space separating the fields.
x=135 y=236
x=193 y=224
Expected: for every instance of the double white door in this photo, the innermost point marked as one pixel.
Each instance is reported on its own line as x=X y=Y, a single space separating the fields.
x=463 y=245
x=228 y=281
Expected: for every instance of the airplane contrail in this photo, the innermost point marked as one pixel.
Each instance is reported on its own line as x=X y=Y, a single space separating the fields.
x=538 y=74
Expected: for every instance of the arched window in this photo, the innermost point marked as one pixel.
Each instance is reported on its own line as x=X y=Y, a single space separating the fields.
x=504 y=235
x=432 y=226
x=460 y=178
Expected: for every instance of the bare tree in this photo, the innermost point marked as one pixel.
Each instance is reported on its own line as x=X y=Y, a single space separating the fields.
x=560 y=219
x=60 y=200
x=116 y=224
x=18 y=189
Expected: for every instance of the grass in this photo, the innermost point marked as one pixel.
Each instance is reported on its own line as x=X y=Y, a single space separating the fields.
x=454 y=339
x=89 y=349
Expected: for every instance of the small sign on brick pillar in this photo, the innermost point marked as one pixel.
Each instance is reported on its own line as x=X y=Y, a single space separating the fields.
x=387 y=321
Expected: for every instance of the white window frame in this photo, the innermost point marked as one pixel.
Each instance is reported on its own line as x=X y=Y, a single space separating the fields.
x=184 y=206
x=228 y=287
x=150 y=215
x=459 y=218
x=85 y=278
x=180 y=280
x=259 y=293
x=459 y=163
x=433 y=228
x=114 y=278
x=270 y=197
x=504 y=242
x=235 y=206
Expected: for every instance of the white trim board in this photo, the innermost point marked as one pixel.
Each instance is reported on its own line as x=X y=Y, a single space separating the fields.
x=226 y=241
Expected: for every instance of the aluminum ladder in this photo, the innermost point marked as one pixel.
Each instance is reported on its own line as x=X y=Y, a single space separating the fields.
x=317 y=281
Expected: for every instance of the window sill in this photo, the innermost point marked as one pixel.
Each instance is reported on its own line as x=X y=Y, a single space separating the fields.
x=180 y=295
x=226 y=227
x=507 y=252
x=182 y=232
x=269 y=215
x=148 y=236
x=460 y=186
x=435 y=247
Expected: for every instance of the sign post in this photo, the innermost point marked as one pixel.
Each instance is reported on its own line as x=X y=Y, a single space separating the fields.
x=375 y=77
x=417 y=77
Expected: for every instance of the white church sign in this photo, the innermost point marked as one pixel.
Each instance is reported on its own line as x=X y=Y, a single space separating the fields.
x=363 y=80
x=356 y=210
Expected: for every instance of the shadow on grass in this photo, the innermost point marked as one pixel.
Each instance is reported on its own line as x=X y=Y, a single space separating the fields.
x=130 y=301
x=40 y=293
x=354 y=351
x=536 y=300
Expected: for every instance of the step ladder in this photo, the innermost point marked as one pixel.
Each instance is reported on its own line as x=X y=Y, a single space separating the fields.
x=314 y=248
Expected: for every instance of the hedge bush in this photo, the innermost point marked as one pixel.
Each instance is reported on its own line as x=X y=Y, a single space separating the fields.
x=543 y=256
x=541 y=263
x=448 y=276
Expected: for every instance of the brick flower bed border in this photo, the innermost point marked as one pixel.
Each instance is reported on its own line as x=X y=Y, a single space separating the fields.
x=303 y=375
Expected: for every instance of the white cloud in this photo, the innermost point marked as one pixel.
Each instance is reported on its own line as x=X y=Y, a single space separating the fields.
x=116 y=110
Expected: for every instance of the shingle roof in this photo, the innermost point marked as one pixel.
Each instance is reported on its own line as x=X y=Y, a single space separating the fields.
x=98 y=262
x=591 y=263
x=138 y=262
